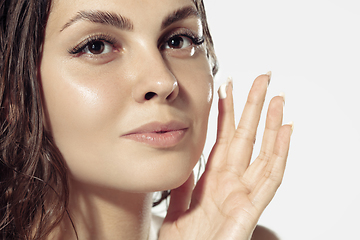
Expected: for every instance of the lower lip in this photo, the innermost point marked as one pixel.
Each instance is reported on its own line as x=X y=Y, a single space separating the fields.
x=159 y=140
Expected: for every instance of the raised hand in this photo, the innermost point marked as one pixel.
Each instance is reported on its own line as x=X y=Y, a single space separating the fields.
x=232 y=193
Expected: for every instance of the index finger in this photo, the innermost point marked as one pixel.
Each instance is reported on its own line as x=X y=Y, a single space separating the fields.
x=241 y=147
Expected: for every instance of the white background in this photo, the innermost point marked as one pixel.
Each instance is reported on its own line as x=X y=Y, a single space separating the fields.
x=313 y=50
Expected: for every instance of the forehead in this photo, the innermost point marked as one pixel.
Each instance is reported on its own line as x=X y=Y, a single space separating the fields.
x=140 y=12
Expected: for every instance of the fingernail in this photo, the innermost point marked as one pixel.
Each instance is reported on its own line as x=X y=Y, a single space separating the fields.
x=292 y=126
x=269 y=74
x=223 y=88
x=229 y=81
x=283 y=96
x=222 y=91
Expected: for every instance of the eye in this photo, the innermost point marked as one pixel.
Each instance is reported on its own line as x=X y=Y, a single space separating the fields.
x=95 y=45
x=98 y=47
x=178 y=42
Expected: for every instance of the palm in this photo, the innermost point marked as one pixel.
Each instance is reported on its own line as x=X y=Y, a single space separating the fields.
x=231 y=195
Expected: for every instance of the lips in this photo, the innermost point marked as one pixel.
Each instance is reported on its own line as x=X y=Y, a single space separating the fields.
x=159 y=135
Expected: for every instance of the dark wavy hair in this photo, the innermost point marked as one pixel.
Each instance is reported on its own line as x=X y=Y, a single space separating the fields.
x=33 y=177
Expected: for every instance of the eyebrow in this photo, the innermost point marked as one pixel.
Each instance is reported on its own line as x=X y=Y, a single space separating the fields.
x=179 y=15
x=102 y=17
x=124 y=23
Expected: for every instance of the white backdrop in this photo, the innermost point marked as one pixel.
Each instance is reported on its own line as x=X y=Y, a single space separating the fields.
x=313 y=49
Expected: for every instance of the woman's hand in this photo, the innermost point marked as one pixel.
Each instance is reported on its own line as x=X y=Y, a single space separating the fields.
x=231 y=194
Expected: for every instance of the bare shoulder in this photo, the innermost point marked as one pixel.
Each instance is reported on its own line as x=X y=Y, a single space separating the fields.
x=263 y=233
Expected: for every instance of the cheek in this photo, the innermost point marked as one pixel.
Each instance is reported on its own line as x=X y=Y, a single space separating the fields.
x=80 y=106
x=195 y=82
x=83 y=110
x=196 y=90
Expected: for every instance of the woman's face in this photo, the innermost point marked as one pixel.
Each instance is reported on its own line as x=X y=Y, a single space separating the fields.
x=127 y=90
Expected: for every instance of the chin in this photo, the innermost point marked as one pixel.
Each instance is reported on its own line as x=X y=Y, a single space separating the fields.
x=141 y=170
x=166 y=172
x=164 y=178
x=172 y=182
x=152 y=170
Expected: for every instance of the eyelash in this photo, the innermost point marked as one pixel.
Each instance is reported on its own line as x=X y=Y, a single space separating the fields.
x=79 y=48
x=92 y=39
x=195 y=39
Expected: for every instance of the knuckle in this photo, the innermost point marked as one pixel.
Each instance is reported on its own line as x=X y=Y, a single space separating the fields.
x=265 y=155
x=274 y=177
x=245 y=134
x=222 y=141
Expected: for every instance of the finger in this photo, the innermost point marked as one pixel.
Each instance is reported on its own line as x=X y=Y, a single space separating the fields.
x=180 y=199
x=226 y=119
x=226 y=123
x=273 y=123
x=273 y=175
x=241 y=147
x=272 y=126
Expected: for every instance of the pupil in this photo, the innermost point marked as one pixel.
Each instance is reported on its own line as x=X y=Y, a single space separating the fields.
x=97 y=47
x=176 y=42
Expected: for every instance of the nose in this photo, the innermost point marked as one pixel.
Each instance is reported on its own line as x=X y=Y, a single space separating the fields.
x=154 y=80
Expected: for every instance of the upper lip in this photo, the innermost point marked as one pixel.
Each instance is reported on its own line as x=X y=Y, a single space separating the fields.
x=158 y=127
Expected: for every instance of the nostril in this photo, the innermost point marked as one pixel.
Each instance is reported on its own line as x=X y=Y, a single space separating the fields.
x=149 y=95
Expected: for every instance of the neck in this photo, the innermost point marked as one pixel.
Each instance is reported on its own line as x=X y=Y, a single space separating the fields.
x=99 y=213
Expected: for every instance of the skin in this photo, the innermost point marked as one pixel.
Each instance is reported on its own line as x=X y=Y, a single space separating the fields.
x=229 y=198
x=91 y=101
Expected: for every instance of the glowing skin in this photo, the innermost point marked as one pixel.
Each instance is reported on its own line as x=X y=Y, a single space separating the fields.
x=97 y=103
x=127 y=89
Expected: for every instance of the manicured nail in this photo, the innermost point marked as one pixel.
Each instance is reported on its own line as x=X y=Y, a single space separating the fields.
x=223 y=88
x=283 y=96
x=222 y=91
x=269 y=74
x=292 y=126
x=229 y=81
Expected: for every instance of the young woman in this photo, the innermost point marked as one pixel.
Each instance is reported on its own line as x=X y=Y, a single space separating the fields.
x=104 y=103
